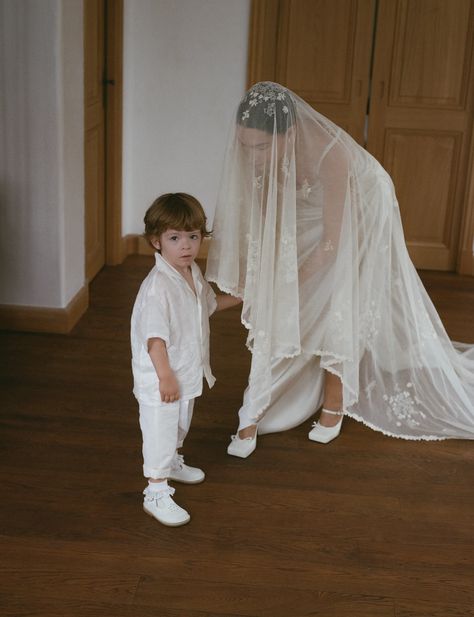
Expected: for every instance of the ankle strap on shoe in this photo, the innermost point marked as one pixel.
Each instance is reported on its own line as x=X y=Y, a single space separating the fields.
x=332 y=413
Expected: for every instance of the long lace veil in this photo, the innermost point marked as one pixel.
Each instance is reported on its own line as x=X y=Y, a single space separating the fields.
x=308 y=233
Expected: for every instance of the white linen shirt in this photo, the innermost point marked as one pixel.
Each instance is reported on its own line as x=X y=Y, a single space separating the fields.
x=167 y=308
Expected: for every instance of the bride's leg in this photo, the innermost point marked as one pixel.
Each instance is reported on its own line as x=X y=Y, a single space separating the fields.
x=332 y=399
x=247 y=426
x=245 y=442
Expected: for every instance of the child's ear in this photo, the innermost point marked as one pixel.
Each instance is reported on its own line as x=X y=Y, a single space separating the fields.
x=155 y=242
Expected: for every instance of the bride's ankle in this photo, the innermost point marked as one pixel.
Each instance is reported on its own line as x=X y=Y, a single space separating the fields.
x=330 y=416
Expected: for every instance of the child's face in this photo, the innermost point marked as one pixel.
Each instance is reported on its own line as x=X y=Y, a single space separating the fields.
x=179 y=248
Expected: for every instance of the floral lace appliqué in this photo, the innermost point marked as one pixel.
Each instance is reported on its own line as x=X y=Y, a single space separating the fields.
x=337 y=320
x=285 y=165
x=253 y=258
x=315 y=191
x=258 y=182
x=425 y=326
x=270 y=109
x=306 y=189
x=368 y=389
x=370 y=324
x=287 y=257
x=265 y=93
x=402 y=406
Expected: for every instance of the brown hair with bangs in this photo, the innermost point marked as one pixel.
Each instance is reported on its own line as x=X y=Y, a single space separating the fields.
x=178 y=211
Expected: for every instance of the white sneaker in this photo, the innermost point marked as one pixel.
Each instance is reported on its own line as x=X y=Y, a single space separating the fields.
x=161 y=506
x=180 y=472
x=242 y=447
x=325 y=434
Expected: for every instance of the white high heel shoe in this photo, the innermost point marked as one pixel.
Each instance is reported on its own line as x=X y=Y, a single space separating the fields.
x=325 y=434
x=242 y=447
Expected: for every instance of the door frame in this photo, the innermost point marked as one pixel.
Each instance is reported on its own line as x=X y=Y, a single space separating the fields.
x=112 y=97
x=114 y=253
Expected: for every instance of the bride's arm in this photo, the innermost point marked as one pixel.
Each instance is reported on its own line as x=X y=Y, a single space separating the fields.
x=335 y=179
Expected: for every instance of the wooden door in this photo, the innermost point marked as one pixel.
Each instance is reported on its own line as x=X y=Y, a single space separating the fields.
x=94 y=135
x=320 y=49
x=420 y=119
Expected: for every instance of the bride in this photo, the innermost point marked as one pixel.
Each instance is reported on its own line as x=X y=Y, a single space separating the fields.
x=308 y=233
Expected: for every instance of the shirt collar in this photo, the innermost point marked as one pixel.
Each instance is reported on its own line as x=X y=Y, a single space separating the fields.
x=163 y=266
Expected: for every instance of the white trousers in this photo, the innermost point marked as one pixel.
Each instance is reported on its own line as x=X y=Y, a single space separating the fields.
x=164 y=427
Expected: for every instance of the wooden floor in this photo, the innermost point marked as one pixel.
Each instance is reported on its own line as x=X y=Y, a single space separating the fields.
x=367 y=526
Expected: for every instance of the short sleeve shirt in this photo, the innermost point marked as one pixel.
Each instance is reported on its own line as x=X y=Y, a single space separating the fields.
x=167 y=308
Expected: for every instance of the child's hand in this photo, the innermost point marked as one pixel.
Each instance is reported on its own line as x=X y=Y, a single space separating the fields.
x=169 y=388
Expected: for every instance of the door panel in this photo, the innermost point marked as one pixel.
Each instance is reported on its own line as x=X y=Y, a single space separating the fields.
x=421 y=117
x=432 y=54
x=425 y=203
x=323 y=54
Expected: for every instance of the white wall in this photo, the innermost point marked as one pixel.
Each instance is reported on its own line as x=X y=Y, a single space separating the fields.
x=184 y=71
x=41 y=157
x=71 y=161
x=185 y=65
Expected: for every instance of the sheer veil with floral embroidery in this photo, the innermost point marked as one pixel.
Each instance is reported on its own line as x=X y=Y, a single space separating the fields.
x=307 y=231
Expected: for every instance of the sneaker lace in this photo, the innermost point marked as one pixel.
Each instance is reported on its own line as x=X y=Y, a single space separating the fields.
x=178 y=461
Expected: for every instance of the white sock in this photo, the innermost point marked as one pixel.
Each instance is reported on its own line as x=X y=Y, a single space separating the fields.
x=156 y=487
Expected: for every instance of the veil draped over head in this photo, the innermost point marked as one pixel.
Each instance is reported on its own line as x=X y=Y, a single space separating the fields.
x=308 y=233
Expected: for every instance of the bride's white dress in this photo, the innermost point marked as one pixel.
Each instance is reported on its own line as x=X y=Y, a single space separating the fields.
x=314 y=245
